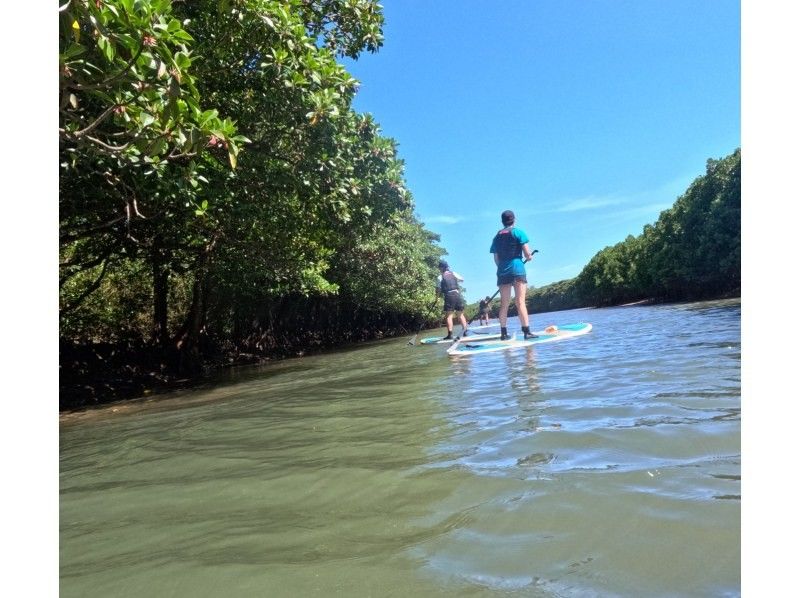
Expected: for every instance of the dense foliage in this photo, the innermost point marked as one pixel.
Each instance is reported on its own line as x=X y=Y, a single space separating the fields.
x=217 y=191
x=693 y=251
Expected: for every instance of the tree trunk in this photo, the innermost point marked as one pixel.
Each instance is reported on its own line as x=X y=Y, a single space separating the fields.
x=190 y=360
x=160 y=332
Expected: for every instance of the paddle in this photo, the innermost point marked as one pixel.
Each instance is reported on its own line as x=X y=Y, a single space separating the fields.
x=414 y=338
x=498 y=290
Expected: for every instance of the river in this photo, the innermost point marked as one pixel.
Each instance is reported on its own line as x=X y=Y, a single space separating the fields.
x=603 y=465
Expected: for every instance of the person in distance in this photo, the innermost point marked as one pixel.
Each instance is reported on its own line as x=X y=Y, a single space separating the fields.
x=483 y=310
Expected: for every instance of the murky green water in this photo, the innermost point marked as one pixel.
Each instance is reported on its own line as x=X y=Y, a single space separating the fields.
x=606 y=465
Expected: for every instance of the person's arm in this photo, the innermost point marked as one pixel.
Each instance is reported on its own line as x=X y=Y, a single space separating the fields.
x=526 y=251
x=523 y=240
x=458 y=276
x=494 y=253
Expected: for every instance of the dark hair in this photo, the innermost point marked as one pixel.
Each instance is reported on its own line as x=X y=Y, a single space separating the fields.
x=507 y=217
x=443 y=265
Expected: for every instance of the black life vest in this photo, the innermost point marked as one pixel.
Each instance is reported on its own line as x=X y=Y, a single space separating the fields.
x=507 y=246
x=449 y=282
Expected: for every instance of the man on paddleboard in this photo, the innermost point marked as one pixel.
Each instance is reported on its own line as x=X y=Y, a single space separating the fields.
x=509 y=245
x=453 y=301
x=483 y=309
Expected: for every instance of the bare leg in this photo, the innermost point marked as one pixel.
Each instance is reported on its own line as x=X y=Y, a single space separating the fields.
x=449 y=322
x=463 y=321
x=519 y=299
x=505 y=299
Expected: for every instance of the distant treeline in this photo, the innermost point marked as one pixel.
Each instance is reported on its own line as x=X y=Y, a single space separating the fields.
x=693 y=251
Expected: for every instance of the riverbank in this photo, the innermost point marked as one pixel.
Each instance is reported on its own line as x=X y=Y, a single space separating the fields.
x=98 y=375
x=101 y=374
x=93 y=375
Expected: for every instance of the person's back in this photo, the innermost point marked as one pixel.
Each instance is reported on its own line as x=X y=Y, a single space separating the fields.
x=449 y=282
x=453 y=301
x=507 y=246
x=483 y=310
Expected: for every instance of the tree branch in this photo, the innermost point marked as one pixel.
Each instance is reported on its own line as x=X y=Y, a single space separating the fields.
x=95 y=124
x=88 y=232
x=91 y=289
x=125 y=69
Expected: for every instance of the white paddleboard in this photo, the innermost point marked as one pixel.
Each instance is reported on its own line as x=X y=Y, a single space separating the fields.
x=479 y=344
x=438 y=340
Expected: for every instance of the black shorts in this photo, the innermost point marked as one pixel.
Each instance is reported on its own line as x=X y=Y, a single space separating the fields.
x=511 y=279
x=453 y=302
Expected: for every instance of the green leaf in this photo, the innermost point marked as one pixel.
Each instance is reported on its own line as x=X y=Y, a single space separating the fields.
x=182 y=36
x=73 y=51
x=159 y=147
x=182 y=60
x=106 y=47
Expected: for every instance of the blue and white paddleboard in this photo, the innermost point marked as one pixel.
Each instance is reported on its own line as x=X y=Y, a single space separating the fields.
x=438 y=340
x=480 y=344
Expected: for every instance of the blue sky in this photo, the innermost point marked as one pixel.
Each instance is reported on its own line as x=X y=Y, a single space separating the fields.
x=587 y=118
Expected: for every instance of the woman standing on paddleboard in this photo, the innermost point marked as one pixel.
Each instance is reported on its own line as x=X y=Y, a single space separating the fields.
x=510 y=244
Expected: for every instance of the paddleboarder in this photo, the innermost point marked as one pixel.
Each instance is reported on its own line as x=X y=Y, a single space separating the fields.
x=483 y=309
x=509 y=246
x=453 y=301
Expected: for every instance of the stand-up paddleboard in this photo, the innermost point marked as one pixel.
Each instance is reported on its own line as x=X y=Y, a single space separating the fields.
x=475 y=345
x=485 y=326
x=438 y=340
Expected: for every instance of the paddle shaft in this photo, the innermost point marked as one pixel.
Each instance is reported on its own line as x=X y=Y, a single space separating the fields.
x=427 y=313
x=498 y=290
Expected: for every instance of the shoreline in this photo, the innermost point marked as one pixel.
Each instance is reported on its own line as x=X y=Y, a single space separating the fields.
x=116 y=392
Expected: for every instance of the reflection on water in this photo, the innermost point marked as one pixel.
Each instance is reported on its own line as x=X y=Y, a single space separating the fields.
x=605 y=465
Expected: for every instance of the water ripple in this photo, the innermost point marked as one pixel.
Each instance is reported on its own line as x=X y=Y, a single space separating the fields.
x=595 y=466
